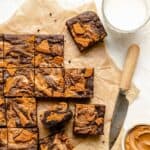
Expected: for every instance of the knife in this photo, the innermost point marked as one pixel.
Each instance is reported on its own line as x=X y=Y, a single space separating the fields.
x=121 y=106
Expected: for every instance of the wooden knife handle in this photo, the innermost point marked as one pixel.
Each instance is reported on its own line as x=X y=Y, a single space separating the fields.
x=129 y=67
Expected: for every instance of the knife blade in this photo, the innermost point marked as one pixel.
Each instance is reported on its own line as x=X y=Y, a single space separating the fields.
x=121 y=105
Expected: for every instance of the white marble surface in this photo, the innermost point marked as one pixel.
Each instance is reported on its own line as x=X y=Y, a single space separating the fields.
x=117 y=45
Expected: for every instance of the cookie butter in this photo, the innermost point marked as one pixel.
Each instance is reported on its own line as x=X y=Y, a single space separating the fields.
x=138 y=138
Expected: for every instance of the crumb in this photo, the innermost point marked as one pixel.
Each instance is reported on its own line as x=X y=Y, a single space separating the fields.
x=50 y=14
x=55 y=20
x=103 y=142
x=69 y=61
x=38 y=30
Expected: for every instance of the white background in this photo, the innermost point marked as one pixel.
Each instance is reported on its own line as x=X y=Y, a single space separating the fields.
x=117 y=45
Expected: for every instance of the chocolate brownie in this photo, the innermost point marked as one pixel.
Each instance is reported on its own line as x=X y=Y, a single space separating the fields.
x=18 y=50
x=1 y=82
x=49 y=50
x=21 y=112
x=89 y=119
x=2 y=112
x=49 y=82
x=3 y=139
x=56 y=116
x=79 y=82
x=22 y=139
x=57 y=142
x=86 y=29
x=19 y=82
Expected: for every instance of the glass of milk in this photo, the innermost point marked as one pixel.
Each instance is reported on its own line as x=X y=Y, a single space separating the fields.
x=126 y=16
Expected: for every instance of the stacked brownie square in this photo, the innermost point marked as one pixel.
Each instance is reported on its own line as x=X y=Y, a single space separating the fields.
x=32 y=68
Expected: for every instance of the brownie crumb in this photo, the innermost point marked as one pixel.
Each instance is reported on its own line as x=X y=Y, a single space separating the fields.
x=50 y=14
x=69 y=61
x=38 y=30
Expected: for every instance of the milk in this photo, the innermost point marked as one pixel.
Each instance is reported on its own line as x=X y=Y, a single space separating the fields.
x=126 y=14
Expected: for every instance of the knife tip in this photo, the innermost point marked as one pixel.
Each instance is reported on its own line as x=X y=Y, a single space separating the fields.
x=111 y=143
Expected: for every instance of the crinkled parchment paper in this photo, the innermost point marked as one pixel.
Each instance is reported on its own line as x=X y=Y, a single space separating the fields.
x=35 y=15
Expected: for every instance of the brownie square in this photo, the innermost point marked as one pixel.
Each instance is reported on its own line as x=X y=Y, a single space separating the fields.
x=22 y=139
x=89 y=119
x=19 y=50
x=56 y=116
x=3 y=139
x=56 y=142
x=86 y=29
x=49 y=51
x=1 y=82
x=21 y=112
x=19 y=82
x=2 y=112
x=79 y=82
x=49 y=82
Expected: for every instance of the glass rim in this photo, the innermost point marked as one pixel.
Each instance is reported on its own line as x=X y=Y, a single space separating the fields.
x=121 y=30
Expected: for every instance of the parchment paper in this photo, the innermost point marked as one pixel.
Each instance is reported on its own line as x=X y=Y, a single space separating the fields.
x=46 y=16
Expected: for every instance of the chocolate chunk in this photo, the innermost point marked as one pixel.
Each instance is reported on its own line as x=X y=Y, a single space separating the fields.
x=22 y=139
x=57 y=142
x=21 y=112
x=79 y=82
x=49 y=51
x=18 y=82
x=49 y=82
x=56 y=117
x=18 y=50
x=89 y=119
x=86 y=29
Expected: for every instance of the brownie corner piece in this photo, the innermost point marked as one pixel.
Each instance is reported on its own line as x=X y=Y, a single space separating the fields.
x=19 y=50
x=49 y=82
x=2 y=112
x=79 y=82
x=49 y=51
x=21 y=112
x=86 y=29
x=19 y=82
x=56 y=116
x=22 y=138
x=3 y=139
x=89 y=119
x=55 y=142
